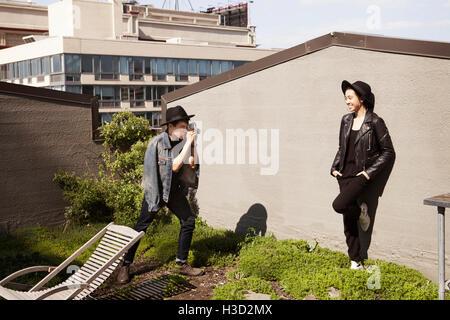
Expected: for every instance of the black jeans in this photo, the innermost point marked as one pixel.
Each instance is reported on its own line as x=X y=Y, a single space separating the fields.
x=179 y=205
x=347 y=204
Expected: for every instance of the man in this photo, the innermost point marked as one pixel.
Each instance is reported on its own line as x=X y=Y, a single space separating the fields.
x=163 y=163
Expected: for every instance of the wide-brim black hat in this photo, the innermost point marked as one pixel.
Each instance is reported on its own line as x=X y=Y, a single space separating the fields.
x=363 y=90
x=175 y=114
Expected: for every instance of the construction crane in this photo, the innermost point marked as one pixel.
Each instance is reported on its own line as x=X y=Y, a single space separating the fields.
x=175 y=4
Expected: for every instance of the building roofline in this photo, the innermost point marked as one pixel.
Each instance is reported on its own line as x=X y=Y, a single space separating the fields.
x=344 y=39
x=82 y=100
x=44 y=93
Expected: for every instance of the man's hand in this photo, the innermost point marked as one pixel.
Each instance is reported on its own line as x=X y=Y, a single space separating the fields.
x=192 y=162
x=190 y=137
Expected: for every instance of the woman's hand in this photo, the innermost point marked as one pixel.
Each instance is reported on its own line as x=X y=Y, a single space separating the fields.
x=365 y=174
x=335 y=173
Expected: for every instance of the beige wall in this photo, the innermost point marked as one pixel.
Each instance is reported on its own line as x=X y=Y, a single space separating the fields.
x=80 y=18
x=37 y=138
x=229 y=35
x=303 y=99
x=23 y=16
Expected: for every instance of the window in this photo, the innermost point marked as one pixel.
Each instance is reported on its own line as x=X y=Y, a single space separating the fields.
x=86 y=64
x=106 y=117
x=56 y=64
x=24 y=69
x=215 y=67
x=72 y=63
x=238 y=63
x=74 y=89
x=88 y=90
x=148 y=66
x=45 y=62
x=106 y=68
x=96 y=65
x=227 y=66
x=72 y=77
x=124 y=93
x=123 y=65
x=156 y=119
x=148 y=93
x=182 y=67
x=204 y=68
x=193 y=67
x=161 y=66
x=158 y=91
x=170 y=63
x=136 y=96
x=109 y=95
x=136 y=67
x=35 y=67
x=181 y=70
x=3 y=71
x=10 y=70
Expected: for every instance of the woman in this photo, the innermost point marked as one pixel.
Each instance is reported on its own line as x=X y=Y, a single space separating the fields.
x=365 y=150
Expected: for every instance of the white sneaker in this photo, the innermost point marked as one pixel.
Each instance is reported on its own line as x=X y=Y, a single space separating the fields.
x=364 y=219
x=356 y=266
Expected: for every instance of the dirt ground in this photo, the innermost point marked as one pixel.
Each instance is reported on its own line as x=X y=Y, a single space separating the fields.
x=202 y=287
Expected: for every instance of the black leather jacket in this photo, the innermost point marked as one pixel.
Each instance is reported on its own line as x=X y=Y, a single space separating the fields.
x=373 y=145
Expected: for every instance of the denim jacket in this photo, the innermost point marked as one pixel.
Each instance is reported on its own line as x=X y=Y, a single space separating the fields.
x=157 y=174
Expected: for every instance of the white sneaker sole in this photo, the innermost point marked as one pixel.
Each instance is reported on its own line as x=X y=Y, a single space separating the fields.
x=364 y=219
x=358 y=266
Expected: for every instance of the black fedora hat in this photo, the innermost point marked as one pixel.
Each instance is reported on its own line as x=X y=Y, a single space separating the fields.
x=363 y=90
x=175 y=114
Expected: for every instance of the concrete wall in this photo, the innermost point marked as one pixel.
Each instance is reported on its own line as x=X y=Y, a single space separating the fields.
x=217 y=34
x=304 y=101
x=38 y=137
x=23 y=16
x=79 y=18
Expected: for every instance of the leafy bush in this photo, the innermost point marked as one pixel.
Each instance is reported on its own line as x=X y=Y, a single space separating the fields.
x=115 y=191
x=124 y=131
x=87 y=197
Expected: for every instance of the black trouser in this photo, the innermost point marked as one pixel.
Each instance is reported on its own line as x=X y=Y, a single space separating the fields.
x=179 y=205
x=346 y=203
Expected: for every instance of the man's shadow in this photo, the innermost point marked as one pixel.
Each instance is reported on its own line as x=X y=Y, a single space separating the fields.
x=370 y=196
x=253 y=222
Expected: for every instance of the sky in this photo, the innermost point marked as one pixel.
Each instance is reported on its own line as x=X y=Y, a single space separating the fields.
x=286 y=23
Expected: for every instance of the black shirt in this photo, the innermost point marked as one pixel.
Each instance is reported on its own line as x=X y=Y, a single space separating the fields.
x=175 y=181
x=350 y=163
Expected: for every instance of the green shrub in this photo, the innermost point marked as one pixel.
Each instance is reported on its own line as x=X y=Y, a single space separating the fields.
x=125 y=130
x=87 y=198
x=114 y=193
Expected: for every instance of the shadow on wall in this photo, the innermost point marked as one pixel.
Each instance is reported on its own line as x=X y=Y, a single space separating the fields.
x=255 y=219
x=371 y=196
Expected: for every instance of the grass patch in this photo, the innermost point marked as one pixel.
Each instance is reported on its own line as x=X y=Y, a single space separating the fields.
x=301 y=272
x=43 y=246
x=235 y=290
x=210 y=247
x=298 y=269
